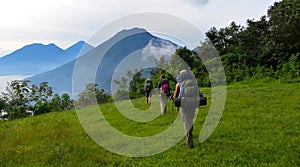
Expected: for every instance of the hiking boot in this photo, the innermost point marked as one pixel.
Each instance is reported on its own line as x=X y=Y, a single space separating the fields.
x=189 y=139
x=190 y=143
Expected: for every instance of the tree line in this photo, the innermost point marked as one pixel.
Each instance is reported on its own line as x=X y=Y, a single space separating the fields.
x=268 y=47
x=23 y=99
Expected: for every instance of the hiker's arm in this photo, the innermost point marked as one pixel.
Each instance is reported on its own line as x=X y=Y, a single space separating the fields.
x=158 y=85
x=176 y=91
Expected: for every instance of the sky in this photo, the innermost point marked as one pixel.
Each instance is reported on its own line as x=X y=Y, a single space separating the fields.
x=65 y=22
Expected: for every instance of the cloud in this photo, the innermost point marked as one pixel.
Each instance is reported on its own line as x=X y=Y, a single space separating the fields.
x=198 y=3
x=4 y=52
x=165 y=49
x=65 y=22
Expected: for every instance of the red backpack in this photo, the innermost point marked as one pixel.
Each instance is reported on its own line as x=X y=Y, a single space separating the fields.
x=165 y=86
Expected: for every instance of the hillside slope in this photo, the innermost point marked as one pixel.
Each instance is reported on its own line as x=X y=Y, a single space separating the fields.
x=259 y=127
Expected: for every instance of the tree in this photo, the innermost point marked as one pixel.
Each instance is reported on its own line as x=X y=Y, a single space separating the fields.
x=40 y=96
x=102 y=96
x=121 y=94
x=180 y=60
x=41 y=93
x=3 y=106
x=88 y=96
x=56 y=103
x=251 y=42
x=66 y=102
x=18 y=98
x=162 y=65
x=284 y=37
x=225 y=39
x=122 y=82
x=22 y=99
x=18 y=92
x=290 y=71
x=135 y=86
x=266 y=44
x=92 y=95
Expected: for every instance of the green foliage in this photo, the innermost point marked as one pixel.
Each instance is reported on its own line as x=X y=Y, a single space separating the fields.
x=56 y=102
x=290 y=71
x=88 y=96
x=162 y=63
x=182 y=59
x=252 y=42
x=225 y=38
x=166 y=68
x=121 y=94
x=41 y=108
x=40 y=95
x=91 y=95
x=18 y=93
x=264 y=48
x=284 y=38
x=2 y=104
x=135 y=86
x=102 y=96
x=17 y=97
x=22 y=99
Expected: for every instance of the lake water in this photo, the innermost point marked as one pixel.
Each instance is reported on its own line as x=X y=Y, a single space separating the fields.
x=5 y=79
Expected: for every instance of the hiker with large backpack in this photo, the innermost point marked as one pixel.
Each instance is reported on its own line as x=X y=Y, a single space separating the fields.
x=187 y=93
x=164 y=93
x=148 y=86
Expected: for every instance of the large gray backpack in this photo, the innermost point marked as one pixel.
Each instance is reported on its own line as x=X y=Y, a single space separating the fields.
x=189 y=91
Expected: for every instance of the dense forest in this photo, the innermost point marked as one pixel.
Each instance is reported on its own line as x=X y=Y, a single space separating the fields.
x=268 y=48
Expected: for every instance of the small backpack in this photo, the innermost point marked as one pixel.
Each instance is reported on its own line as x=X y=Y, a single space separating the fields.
x=148 y=86
x=165 y=86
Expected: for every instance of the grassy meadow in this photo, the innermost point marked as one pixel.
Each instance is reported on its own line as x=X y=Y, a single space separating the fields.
x=260 y=126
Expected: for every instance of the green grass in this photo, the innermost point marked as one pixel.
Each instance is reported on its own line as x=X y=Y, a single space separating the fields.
x=260 y=126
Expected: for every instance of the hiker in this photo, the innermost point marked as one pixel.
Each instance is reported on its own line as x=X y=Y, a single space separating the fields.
x=164 y=92
x=148 y=86
x=187 y=90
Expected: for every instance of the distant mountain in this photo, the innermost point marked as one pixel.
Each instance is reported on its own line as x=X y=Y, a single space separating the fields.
x=37 y=58
x=78 y=49
x=128 y=49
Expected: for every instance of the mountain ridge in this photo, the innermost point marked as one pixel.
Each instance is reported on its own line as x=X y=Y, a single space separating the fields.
x=99 y=64
x=37 y=58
